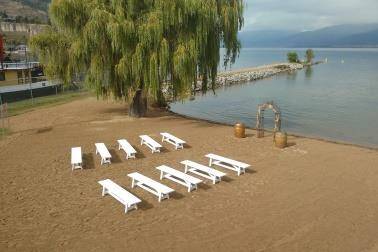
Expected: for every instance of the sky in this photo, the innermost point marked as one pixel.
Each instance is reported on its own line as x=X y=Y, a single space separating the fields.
x=305 y=15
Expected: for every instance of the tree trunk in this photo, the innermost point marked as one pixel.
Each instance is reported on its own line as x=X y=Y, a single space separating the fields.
x=160 y=101
x=138 y=106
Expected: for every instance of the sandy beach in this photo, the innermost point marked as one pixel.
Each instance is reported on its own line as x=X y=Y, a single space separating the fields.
x=312 y=196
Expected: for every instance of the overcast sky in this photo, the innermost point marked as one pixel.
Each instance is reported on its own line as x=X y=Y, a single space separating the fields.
x=302 y=15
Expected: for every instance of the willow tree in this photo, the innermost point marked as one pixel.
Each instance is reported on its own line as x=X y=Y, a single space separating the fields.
x=138 y=49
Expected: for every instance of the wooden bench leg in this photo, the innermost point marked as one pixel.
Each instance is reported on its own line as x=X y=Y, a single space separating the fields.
x=240 y=170
x=189 y=187
x=104 y=191
x=210 y=162
x=161 y=175
x=216 y=179
x=132 y=183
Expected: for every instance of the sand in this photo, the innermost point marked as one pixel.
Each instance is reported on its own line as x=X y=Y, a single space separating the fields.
x=312 y=196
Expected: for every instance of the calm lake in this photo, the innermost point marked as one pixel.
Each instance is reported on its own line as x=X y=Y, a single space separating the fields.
x=336 y=101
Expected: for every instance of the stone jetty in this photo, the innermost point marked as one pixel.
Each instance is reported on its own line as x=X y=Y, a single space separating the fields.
x=227 y=78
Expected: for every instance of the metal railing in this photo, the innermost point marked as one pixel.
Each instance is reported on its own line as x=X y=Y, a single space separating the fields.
x=18 y=65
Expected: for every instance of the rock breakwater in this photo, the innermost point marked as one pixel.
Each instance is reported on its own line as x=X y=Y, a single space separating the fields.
x=256 y=73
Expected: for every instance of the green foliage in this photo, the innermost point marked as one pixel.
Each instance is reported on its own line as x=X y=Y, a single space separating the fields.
x=310 y=55
x=3 y=14
x=292 y=57
x=126 y=45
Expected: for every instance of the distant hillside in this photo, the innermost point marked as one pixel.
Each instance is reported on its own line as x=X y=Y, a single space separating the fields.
x=37 y=4
x=334 y=36
x=365 y=39
x=263 y=38
x=25 y=8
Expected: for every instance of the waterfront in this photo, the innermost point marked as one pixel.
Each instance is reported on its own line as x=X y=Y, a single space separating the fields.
x=336 y=101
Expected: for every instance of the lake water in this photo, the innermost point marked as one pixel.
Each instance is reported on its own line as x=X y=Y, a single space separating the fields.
x=336 y=101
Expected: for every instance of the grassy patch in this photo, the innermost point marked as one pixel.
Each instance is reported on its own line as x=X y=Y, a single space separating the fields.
x=16 y=108
x=4 y=132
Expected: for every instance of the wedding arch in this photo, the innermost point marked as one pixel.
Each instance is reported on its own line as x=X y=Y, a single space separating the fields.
x=260 y=118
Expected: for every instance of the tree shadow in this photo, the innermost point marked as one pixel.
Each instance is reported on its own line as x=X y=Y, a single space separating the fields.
x=88 y=161
x=118 y=110
x=156 y=112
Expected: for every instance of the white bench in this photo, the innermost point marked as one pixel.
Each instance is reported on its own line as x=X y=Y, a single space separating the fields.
x=76 y=158
x=151 y=143
x=126 y=146
x=234 y=165
x=177 y=142
x=129 y=200
x=150 y=185
x=104 y=153
x=203 y=171
x=178 y=177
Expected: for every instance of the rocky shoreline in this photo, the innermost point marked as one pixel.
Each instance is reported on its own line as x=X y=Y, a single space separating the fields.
x=244 y=75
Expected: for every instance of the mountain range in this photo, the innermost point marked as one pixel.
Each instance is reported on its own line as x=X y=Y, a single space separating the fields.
x=352 y=35
x=348 y=35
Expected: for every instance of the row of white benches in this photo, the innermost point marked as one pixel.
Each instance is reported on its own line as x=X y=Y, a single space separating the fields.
x=123 y=144
x=162 y=191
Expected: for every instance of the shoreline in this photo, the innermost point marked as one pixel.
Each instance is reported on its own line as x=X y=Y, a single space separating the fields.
x=249 y=74
x=339 y=142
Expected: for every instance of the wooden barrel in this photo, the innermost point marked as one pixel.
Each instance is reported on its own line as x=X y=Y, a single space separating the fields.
x=280 y=139
x=239 y=130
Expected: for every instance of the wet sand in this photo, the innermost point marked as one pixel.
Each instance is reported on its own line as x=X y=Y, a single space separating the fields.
x=312 y=196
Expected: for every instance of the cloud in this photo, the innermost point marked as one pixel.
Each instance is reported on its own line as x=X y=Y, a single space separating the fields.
x=301 y=15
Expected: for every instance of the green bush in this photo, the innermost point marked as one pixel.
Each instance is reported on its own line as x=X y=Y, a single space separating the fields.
x=292 y=57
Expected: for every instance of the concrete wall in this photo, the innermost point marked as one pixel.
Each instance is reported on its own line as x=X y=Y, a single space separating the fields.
x=32 y=29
